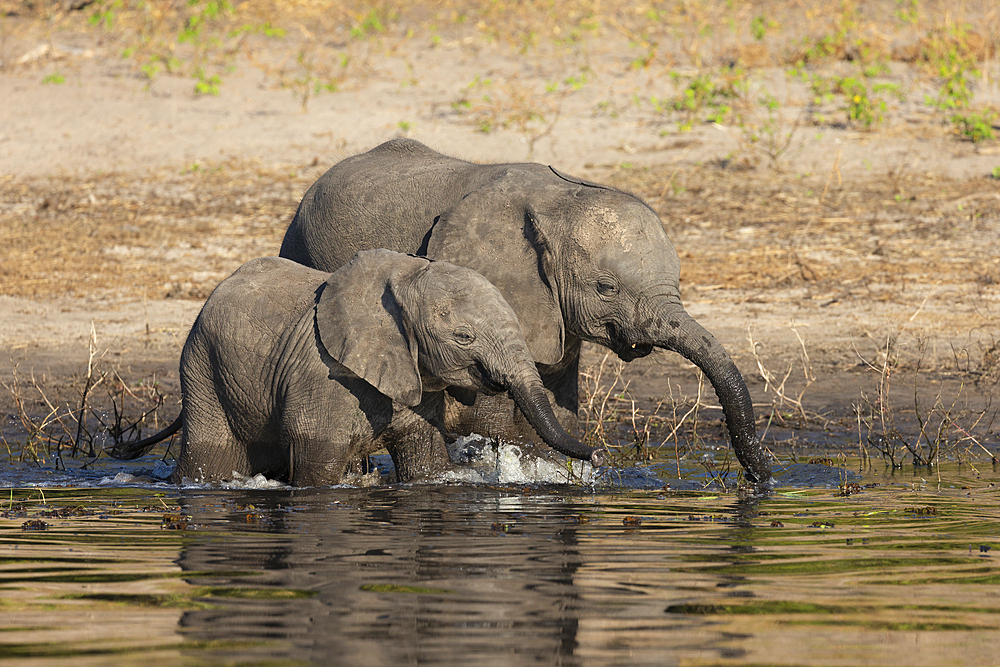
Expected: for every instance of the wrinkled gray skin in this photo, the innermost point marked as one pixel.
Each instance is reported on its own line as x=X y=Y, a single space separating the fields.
x=296 y=373
x=575 y=260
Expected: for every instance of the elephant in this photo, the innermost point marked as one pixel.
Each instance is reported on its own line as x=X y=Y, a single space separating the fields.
x=576 y=260
x=296 y=373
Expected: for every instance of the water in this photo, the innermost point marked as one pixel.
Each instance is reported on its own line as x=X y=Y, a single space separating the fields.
x=900 y=570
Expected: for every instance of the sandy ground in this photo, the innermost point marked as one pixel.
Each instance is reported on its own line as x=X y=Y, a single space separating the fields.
x=123 y=201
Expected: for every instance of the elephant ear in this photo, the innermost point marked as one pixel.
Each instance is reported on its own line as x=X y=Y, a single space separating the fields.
x=362 y=325
x=495 y=231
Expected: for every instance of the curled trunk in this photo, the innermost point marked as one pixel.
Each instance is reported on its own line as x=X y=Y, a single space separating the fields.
x=531 y=400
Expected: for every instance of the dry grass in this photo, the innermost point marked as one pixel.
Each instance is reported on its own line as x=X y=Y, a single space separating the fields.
x=859 y=239
x=178 y=234
x=164 y=235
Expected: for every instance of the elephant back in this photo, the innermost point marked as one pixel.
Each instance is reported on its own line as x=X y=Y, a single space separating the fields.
x=253 y=308
x=390 y=197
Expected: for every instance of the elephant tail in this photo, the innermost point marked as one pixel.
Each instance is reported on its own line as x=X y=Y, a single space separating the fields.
x=127 y=451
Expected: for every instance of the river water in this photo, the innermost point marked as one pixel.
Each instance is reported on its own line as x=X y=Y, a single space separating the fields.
x=107 y=565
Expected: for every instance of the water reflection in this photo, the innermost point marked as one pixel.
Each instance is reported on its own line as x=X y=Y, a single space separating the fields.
x=895 y=568
x=443 y=574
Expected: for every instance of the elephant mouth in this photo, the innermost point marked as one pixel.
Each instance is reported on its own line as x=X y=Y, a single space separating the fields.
x=488 y=385
x=633 y=351
x=626 y=349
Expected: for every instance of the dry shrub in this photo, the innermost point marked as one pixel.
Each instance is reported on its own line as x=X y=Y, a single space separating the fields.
x=956 y=426
x=52 y=430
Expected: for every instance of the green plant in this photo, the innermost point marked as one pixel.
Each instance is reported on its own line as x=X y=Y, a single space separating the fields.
x=874 y=68
x=105 y=14
x=206 y=84
x=759 y=26
x=55 y=78
x=975 y=126
x=835 y=43
x=315 y=71
x=649 y=48
x=953 y=63
x=771 y=134
x=371 y=24
x=203 y=14
x=489 y=104
x=707 y=98
x=865 y=104
x=907 y=11
x=995 y=174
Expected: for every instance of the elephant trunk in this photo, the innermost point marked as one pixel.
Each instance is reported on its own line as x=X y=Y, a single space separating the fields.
x=682 y=334
x=531 y=399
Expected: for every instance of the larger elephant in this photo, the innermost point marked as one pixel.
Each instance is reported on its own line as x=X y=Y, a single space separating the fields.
x=577 y=261
x=296 y=373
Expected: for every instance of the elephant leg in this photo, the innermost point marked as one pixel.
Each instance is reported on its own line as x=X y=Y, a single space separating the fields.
x=415 y=441
x=209 y=450
x=316 y=450
x=418 y=454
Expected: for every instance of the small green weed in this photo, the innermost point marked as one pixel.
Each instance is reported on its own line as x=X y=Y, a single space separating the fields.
x=707 y=98
x=206 y=84
x=860 y=107
x=952 y=62
x=371 y=24
x=54 y=79
x=490 y=104
x=835 y=43
x=759 y=26
x=766 y=131
x=105 y=14
x=975 y=127
x=863 y=103
x=317 y=70
x=203 y=14
x=907 y=11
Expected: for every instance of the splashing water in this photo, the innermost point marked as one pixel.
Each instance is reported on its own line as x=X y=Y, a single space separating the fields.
x=483 y=461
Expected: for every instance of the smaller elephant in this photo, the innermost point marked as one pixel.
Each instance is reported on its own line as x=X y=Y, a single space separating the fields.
x=297 y=374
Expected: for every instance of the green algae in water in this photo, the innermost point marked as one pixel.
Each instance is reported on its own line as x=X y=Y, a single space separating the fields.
x=403 y=588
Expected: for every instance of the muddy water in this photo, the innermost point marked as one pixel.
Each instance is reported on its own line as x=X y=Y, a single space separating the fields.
x=902 y=570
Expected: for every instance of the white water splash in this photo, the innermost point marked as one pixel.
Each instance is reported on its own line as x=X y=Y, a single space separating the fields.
x=121 y=479
x=238 y=481
x=483 y=461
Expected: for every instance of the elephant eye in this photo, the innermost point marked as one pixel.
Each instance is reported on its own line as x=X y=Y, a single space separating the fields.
x=607 y=287
x=464 y=336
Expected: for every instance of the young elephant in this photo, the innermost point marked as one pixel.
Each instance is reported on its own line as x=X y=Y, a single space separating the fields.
x=295 y=373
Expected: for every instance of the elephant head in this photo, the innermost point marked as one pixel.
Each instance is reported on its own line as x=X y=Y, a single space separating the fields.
x=407 y=324
x=575 y=258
